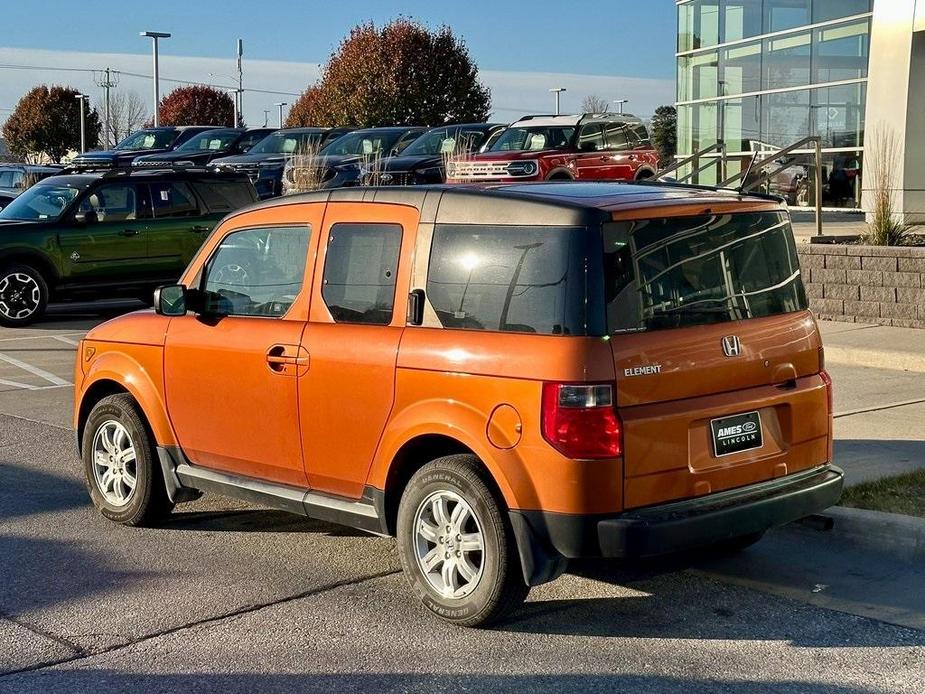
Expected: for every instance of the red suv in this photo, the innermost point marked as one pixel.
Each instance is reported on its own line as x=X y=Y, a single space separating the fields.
x=592 y=147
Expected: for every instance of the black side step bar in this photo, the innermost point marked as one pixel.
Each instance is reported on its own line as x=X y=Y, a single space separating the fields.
x=185 y=482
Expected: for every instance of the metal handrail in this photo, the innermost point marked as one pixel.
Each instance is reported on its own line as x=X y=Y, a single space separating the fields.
x=695 y=159
x=756 y=165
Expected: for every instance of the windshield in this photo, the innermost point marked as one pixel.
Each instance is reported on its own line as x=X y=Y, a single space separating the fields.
x=149 y=139
x=533 y=139
x=679 y=272
x=43 y=201
x=287 y=143
x=364 y=142
x=446 y=141
x=210 y=140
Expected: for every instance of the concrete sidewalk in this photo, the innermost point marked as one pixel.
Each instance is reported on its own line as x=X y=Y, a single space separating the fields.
x=876 y=346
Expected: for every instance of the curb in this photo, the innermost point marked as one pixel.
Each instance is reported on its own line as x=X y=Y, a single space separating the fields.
x=890 y=531
x=875 y=358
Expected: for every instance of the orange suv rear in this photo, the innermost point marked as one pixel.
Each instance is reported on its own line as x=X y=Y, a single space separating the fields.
x=503 y=378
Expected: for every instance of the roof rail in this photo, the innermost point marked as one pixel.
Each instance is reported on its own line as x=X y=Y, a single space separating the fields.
x=541 y=115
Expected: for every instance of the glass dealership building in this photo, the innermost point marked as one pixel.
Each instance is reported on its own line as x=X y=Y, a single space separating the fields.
x=760 y=75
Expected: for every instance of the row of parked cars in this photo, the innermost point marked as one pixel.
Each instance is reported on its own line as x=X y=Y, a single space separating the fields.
x=118 y=223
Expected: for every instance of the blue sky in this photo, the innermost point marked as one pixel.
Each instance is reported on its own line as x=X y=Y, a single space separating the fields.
x=627 y=44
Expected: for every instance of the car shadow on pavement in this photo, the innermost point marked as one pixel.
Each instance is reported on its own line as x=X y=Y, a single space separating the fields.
x=36 y=492
x=101 y=681
x=659 y=605
x=256 y=521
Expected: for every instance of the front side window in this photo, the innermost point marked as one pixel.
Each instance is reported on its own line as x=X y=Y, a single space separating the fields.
x=173 y=199
x=115 y=202
x=359 y=272
x=679 y=272
x=256 y=272
x=533 y=139
x=509 y=279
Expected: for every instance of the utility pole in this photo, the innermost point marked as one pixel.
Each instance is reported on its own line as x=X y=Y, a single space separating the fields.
x=266 y=117
x=239 y=96
x=107 y=83
x=558 y=91
x=82 y=98
x=155 y=36
x=280 y=105
x=620 y=102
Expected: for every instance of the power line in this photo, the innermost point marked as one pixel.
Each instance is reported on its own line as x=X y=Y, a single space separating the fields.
x=142 y=76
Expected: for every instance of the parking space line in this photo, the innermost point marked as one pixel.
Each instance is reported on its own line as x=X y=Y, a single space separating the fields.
x=39 y=337
x=34 y=370
x=17 y=384
x=65 y=340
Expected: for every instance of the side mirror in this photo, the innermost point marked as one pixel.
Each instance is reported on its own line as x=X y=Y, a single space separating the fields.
x=82 y=218
x=170 y=300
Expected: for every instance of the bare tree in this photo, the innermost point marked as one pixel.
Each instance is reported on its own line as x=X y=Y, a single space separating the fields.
x=594 y=104
x=127 y=113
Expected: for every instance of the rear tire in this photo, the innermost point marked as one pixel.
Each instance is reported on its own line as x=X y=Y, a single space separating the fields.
x=120 y=464
x=23 y=295
x=450 y=523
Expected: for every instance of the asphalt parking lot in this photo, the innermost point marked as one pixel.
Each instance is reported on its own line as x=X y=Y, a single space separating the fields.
x=230 y=597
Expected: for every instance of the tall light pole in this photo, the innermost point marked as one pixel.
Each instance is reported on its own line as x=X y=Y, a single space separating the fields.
x=82 y=98
x=620 y=103
x=239 y=96
x=558 y=91
x=279 y=105
x=155 y=35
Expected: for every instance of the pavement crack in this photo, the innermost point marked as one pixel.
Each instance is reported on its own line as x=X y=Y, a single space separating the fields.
x=878 y=408
x=78 y=650
x=82 y=654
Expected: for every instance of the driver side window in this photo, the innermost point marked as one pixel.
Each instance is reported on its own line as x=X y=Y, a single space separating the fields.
x=256 y=272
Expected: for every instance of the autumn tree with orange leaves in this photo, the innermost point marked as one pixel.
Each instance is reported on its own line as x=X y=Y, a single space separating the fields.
x=197 y=105
x=400 y=74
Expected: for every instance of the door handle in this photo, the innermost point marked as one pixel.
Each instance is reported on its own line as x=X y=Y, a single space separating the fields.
x=279 y=357
x=129 y=232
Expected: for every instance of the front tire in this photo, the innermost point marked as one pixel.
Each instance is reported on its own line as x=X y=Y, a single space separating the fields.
x=120 y=464
x=456 y=545
x=23 y=295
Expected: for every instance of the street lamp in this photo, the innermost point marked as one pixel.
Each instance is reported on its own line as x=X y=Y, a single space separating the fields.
x=558 y=91
x=82 y=98
x=279 y=105
x=155 y=35
x=620 y=103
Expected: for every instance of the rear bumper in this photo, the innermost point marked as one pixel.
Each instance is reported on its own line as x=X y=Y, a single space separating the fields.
x=677 y=526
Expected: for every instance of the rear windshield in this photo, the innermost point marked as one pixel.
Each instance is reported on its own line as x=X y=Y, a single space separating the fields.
x=678 y=272
x=510 y=279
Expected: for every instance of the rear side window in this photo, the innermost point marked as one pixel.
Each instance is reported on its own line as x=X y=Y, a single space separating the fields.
x=173 y=199
x=678 y=272
x=510 y=279
x=359 y=272
x=616 y=136
x=225 y=196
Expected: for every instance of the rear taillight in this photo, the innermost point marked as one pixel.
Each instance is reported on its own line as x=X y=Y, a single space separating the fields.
x=580 y=421
x=830 y=406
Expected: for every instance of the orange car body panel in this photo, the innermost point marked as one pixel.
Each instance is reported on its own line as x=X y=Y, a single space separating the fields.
x=368 y=390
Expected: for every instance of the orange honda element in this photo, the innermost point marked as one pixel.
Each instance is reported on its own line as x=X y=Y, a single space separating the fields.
x=503 y=378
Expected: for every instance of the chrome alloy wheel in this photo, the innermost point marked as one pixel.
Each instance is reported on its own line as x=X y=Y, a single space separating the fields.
x=449 y=544
x=20 y=295
x=114 y=468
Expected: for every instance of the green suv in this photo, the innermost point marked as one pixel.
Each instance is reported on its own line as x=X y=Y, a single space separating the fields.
x=107 y=235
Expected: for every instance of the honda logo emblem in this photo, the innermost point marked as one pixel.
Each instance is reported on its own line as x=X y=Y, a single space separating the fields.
x=731 y=346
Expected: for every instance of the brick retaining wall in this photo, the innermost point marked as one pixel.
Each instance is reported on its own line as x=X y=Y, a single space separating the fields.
x=865 y=284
